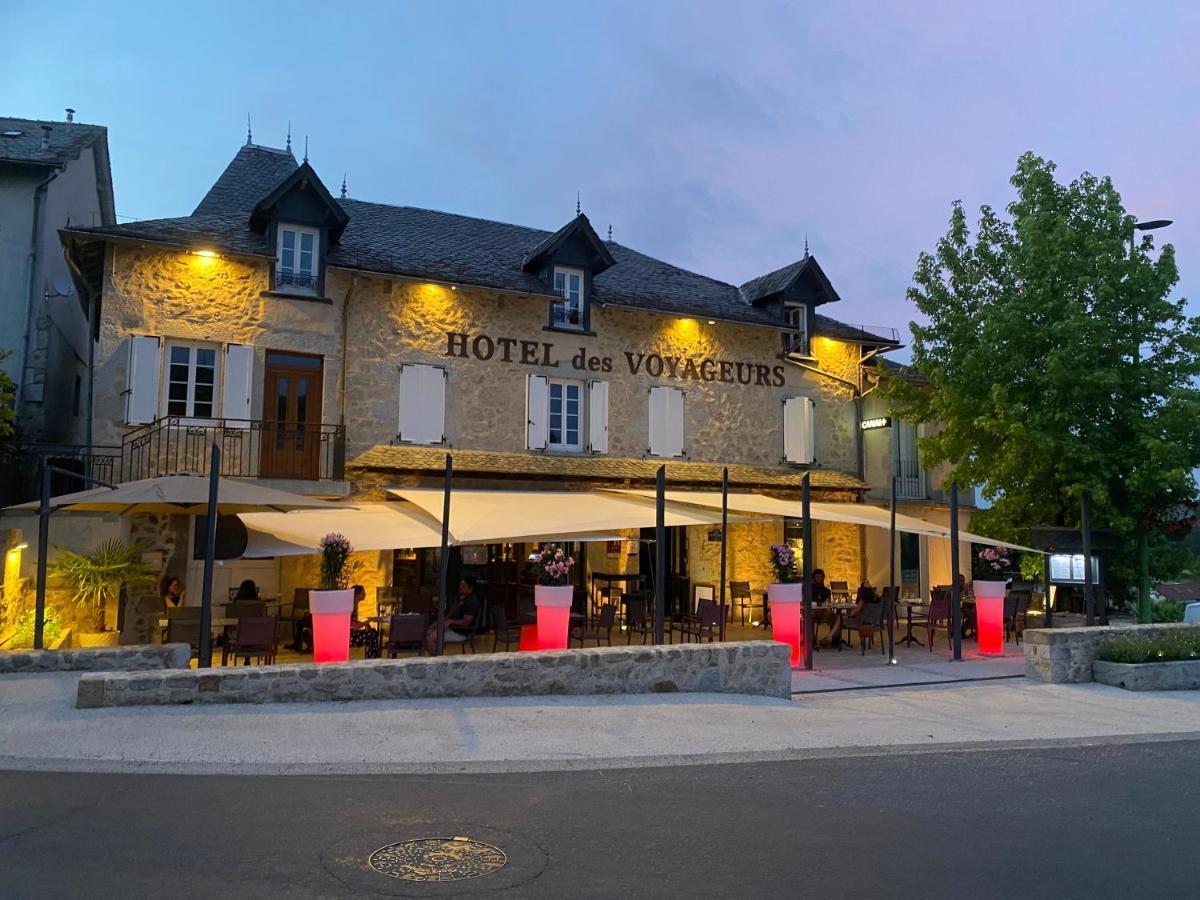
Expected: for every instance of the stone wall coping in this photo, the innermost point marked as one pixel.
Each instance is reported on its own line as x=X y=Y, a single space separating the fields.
x=744 y=667
x=1062 y=635
x=129 y=657
x=1174 y=675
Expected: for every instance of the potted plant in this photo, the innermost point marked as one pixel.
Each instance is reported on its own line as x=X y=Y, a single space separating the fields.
x=553 y=595
x=97 y=579
x=785 y=596
x=332 y=605
x=993 y=568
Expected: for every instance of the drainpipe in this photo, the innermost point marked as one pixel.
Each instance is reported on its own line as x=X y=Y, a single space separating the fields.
x=39 y=194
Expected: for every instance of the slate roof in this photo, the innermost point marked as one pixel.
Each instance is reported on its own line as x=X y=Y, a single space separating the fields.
x=593 y=469
x=67 y=139
x=439 y=246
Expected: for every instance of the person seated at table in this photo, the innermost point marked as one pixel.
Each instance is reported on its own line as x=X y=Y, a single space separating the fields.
x=459 y=616
x=964 y=589
x=172 y=592
x=362 y=634
x=849 y=621
x=247 y=590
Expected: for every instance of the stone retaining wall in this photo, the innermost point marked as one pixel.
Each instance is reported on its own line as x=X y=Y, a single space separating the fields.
x=98 y=659
x=1060 y=655
x=754 y=667
x=1178 y=675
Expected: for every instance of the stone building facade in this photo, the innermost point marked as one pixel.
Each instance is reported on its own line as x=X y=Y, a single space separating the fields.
x=337 y=347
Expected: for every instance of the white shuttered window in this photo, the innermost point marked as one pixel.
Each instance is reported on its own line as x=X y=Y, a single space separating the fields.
x=598 y=416
x=141 y=380
x=422 y=404
x=537 y=412
x=666 y=421
x=799 y=445
x=239 y=378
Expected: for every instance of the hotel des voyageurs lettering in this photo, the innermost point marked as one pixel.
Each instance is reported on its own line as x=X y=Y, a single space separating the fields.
x=337 y=347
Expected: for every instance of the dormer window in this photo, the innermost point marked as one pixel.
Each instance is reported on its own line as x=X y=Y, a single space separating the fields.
x=299 y=248
x=795 y=339
x=568 y=313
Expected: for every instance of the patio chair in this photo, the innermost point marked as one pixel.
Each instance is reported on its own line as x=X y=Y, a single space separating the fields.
x=870 y=625
x=602 y=630
x=503 y=631
x=740 y=597
x=183 y=627
x=1016 y=612
x=478 y=626
x=245 y=609
x=636 y=621
x=938 y=618
x=257 y=637
x=705 y=625
x=299 y=604
x=406 y=631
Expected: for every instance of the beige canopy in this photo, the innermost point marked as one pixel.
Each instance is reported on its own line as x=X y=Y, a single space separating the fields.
x=182 y=494
x=851 y=513
x=483 y=516
x=476 y=517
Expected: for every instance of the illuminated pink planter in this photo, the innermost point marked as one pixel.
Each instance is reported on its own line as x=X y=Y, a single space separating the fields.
x=989 y=615
x=787 y=615
x=553 y=604
x=331 y=625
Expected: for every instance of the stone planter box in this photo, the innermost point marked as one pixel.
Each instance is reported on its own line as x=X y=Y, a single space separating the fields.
x=1065 y=655
x=1179 y=675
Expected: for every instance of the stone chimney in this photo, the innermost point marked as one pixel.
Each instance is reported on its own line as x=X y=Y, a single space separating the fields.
x=45 y=137
x=70 y=114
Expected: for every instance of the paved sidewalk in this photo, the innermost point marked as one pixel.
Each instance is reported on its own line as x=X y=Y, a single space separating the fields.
x=852 y=670
x=41 y=729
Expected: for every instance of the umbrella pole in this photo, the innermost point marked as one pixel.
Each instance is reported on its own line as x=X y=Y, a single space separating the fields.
x=890 y=612
x=204 y=656
x=39 y=614
x=444 y=568
x=955 y=592
x=724 y=529
x=810 y=631
x=660 y=554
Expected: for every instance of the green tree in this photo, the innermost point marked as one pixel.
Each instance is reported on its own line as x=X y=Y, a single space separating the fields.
x=1060 y=366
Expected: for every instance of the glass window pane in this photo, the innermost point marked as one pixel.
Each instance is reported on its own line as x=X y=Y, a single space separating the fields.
x=206 y=356
x=177 y=390
x=289 y=239
x=559 y=280
x=204 y=393
x=176 y=407
x=202 y=410
x=180 y=354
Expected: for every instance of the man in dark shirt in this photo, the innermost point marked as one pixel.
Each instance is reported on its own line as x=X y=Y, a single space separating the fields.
x=460 y=616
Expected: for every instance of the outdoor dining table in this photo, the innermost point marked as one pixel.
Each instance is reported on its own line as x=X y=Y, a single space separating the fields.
x=910 y=638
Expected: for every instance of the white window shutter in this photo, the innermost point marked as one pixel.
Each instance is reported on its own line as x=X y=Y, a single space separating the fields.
x=598 y=416
x=422 y=404
x=239 y=377
x=141 y=380
x=666 y=421
x=537 y=413
x=799 y=445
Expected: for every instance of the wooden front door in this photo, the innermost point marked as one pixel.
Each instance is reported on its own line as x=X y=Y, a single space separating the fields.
x=291 y=436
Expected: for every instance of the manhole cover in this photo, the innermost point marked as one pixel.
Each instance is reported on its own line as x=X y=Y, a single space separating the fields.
x=437 y=859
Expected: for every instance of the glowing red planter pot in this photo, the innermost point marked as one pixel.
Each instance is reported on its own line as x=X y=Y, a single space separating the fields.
x=553 y=615
x=989 y=615
x=331 y=625
x=787 y=616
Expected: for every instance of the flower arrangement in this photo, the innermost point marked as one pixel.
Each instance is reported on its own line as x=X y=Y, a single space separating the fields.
x=336 y=568
x=783 y=564
x=554 y=566
x=993 y=564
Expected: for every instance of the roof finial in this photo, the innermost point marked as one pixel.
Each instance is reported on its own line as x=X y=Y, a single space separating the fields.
x=343 y=186
x=578 y=209
x=306 y=148
x=289 y=140
x=806 y=244
x=610 y=231
x=249 y=134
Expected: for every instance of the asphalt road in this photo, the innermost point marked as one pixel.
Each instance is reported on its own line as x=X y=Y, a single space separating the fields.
x=1110 y=821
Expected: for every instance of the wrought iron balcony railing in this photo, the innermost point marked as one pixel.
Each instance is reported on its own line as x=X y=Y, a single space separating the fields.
x=250 y=448
x=306 y=281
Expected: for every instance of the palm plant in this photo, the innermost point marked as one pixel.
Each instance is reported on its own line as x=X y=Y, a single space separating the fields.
x=97 y=577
